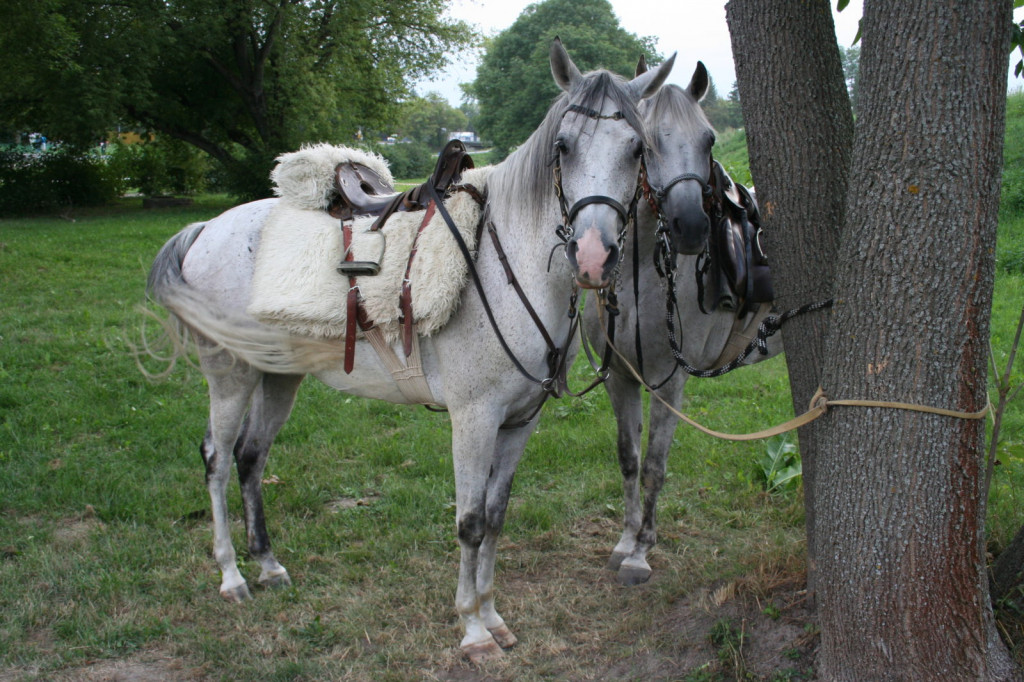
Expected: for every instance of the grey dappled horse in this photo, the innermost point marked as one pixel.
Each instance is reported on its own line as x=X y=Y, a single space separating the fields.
x=679 y=169
x=203 y=276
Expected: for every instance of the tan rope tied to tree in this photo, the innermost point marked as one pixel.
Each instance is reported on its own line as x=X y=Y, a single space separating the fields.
x=818 y=406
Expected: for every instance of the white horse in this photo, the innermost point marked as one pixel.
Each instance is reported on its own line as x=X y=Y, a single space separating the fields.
x=203 y=276
x=679 y=169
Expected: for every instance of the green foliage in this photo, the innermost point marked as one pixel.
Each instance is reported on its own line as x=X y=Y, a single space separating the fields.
x=243 y=82
x=407 y=159
x=32 y=182
x=163 y=166
x=731 y=151
x=428 y=120
x=513 y=83
x=723 y=113
x=779 y=467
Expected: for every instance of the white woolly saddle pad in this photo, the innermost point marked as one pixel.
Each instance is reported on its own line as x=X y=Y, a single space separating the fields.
x=296 y=284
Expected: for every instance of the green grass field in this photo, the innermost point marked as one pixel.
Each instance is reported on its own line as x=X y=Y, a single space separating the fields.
x=105 y=544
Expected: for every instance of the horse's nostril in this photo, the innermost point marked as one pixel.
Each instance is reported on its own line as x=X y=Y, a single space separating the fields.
x=570 y=252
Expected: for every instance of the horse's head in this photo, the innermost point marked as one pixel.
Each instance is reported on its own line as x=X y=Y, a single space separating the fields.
x=597 y=149
x=679 y=165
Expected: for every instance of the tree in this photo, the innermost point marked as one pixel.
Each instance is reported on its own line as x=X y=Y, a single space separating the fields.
x=722 y=113
x=513 y=84
x=851 y=68
x=242 y=80
x=901 y=587
x=429 y=120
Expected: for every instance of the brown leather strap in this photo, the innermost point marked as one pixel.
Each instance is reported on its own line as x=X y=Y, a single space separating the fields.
x=352 y=310
x=405 y=300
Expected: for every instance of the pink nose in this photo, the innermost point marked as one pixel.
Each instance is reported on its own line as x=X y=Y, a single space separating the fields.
x=590 y=257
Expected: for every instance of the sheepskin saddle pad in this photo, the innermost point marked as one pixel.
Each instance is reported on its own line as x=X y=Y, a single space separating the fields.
x=296 y=284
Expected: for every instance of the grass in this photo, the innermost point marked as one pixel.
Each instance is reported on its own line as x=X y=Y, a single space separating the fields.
x=105 y=557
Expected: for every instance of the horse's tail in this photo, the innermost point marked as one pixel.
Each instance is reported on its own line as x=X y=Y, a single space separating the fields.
x=166 y=271
x=266 y=348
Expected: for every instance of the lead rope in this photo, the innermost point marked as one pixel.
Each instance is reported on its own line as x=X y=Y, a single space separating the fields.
x=818 y=406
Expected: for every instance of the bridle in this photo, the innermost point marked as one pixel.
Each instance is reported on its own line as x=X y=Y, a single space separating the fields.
x=664 y=252
x=627 y=216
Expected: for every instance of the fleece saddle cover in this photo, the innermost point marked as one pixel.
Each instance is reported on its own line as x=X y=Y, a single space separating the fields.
x=296 y=284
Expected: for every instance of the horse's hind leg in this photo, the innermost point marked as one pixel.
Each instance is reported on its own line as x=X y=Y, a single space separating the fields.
x=231 y=386
x=624 y=393
x=271 y=406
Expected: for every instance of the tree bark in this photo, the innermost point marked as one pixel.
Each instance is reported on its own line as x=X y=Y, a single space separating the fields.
x=902 y=591
x=800 y=149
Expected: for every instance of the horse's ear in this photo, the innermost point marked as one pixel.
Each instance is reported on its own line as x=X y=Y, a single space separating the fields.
x=647 y=83
x=562 y=68
x=698 y=86
x=641 y=66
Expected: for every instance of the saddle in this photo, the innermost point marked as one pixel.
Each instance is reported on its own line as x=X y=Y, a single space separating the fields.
x=737 y=259
x=360 y=190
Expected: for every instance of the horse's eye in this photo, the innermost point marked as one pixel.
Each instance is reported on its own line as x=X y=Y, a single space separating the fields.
x=561 y=146
x=638 y=151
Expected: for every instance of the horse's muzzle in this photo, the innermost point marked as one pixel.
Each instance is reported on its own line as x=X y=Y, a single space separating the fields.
x=688 y=224
x=592 y=259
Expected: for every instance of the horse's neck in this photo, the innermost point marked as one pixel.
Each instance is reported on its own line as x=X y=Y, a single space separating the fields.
x=525 y=220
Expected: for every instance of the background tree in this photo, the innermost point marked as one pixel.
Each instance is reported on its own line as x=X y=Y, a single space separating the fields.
x=243 y=80
x=901 y=587
x=513 y=84
x=723 y=113
x=429 y=119
x=851 y=69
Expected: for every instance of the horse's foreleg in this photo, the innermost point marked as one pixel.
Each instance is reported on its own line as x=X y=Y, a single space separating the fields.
x=508 y=451
x=271 y=406
x=230 y=390
x=634 y=568
x=473 y=443
x=624 y=393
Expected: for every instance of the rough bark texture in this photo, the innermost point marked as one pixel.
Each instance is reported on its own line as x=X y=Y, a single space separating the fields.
x=902 y=592
x=800 y=136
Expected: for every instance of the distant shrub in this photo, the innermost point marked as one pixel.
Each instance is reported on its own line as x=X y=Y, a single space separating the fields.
x=407 y=160
x=43 y=181
x=163 y=166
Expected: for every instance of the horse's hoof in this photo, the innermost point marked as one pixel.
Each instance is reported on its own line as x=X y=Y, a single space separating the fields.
x=503 y=636
x=481 y=652
x=630 y=574
x=237 y=594
x=276 y=580
x=615 y=560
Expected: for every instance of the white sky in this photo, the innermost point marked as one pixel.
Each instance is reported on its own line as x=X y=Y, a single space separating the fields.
x=696 y=29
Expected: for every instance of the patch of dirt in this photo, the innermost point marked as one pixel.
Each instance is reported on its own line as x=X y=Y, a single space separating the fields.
x=736 y=632
x=143 y=668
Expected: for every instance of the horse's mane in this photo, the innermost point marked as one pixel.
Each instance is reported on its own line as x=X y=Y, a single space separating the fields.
x=675 y=104
x=525 y=177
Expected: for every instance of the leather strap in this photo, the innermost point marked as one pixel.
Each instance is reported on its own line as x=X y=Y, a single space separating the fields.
x=352 y=309
x=405 y=300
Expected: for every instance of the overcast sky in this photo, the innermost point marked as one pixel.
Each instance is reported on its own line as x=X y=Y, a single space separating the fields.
x=696 y=29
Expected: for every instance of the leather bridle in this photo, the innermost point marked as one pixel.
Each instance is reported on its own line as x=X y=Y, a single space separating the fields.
x=627 y=216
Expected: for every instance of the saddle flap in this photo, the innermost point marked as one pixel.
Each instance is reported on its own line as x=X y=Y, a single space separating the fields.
x=736 y=240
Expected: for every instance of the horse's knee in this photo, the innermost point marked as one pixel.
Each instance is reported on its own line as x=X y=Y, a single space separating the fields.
x=472 y=527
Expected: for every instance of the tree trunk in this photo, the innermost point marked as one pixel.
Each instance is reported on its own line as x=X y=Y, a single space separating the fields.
x=902 y=592
x=800 y=148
